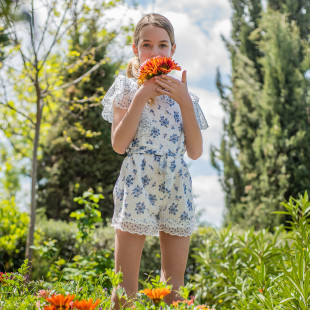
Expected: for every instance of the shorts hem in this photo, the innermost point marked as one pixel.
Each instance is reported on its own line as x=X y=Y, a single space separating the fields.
x=133 y=229
x=149 y=230
x=181 y=232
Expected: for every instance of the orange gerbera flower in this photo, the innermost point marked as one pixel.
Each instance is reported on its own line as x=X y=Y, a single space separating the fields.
x=156 y=294
x=50 y=307
x=156 y=66
x=85 y=305
x=61 y=302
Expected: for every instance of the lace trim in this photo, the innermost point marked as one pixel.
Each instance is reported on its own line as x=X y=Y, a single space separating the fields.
x=201 y=120
x=119 y=94
x=150 y=230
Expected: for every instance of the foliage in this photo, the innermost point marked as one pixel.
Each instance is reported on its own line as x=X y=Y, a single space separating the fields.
x=264 y=154
x=257 y=269
x=87 y=264
x=71 y=250
x=234 y=269
x=13 y=234
x=89 y=216
x=15 y=292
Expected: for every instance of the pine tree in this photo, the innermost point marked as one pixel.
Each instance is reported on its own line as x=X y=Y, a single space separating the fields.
x=265 y=151
x=78 y=154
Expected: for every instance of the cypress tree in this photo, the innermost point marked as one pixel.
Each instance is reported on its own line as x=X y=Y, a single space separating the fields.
x=264 y=152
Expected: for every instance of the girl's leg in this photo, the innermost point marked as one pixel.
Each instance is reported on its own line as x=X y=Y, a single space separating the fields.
x=128 y=250
x=174 y=254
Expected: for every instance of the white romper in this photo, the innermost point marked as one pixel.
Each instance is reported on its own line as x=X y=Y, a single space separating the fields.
x=154 y=189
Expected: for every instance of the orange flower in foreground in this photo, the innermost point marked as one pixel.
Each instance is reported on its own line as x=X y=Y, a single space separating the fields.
x=50 y=307
x=156 y=66
x=85 y=305
x=61 y=302
x=156 y=294
x=186 y=301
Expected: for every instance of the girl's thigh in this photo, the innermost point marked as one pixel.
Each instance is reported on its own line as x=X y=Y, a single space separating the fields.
x=128 y=250
x=174 y=254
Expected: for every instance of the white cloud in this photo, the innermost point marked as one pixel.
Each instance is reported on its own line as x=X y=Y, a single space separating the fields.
x=210 y=105
x=197 y=51
x=197 y=9
x=209 y=199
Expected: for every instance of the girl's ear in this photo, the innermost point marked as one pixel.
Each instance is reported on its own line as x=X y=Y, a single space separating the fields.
x=173 y=47
x=135 y=49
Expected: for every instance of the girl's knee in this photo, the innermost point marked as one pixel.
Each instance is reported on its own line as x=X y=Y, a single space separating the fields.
x=174 y=278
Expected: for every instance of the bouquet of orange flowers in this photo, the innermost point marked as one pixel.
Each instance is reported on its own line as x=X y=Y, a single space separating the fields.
x=156 y=66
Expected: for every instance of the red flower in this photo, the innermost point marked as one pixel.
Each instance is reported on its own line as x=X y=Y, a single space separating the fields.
x=156 y=66
x=85 y=305
x=5 y=276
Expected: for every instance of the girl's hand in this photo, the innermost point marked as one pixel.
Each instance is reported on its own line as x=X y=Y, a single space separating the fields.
x=148 y=90
x=175 y=89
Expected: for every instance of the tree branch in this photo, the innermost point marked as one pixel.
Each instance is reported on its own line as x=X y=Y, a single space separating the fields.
x=95 y=67
x=56 y=36
x=10 y=106
x=45 y=28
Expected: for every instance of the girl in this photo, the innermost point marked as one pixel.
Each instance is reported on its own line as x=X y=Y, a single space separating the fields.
x=153 y=194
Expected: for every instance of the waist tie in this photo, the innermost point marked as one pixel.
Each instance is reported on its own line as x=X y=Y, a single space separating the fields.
x=167 y=166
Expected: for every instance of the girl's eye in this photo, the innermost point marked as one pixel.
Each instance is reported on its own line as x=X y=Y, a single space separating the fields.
x=146 y=45
x=163 y=45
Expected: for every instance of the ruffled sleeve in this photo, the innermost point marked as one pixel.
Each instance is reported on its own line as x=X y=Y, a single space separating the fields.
x=120 y=94
x=201 y=120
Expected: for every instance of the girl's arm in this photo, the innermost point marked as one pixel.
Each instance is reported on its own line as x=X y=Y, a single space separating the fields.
x=126 y=121
x=177 y=90
x=192 y=133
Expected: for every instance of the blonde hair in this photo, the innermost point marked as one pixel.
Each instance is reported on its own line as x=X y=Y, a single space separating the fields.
x=148 y=19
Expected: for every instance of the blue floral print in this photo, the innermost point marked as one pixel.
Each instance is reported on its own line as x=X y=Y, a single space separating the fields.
x=164 y=121
x=174 y=138
x=129 y=180
x=145 y=180
x=152 y=199
x=137 y=191
x=155 y=132
x=176 y=116
x=173 y=209
x=140 y=207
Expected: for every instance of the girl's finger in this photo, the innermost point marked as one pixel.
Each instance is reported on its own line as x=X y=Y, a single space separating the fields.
x=164 y=84
x=167 y=78
x=184 y=79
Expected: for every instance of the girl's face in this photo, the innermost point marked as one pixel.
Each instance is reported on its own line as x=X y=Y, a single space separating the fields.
x=153 y=41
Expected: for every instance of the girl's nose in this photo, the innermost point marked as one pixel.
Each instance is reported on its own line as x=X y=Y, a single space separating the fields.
x=155 y=52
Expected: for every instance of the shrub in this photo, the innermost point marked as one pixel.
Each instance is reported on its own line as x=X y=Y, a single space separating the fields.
x=257 y=269
x=13 y=235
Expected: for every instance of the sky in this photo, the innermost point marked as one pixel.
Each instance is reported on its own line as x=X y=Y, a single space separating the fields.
x=200 y=50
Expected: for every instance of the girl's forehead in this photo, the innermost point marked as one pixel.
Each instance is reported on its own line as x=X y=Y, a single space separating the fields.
x=153 y=33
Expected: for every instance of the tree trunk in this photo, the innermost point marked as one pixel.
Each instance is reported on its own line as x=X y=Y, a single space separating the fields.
x=34 y=168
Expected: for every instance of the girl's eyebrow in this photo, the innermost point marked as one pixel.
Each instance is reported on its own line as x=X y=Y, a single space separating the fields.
x=162 y=41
